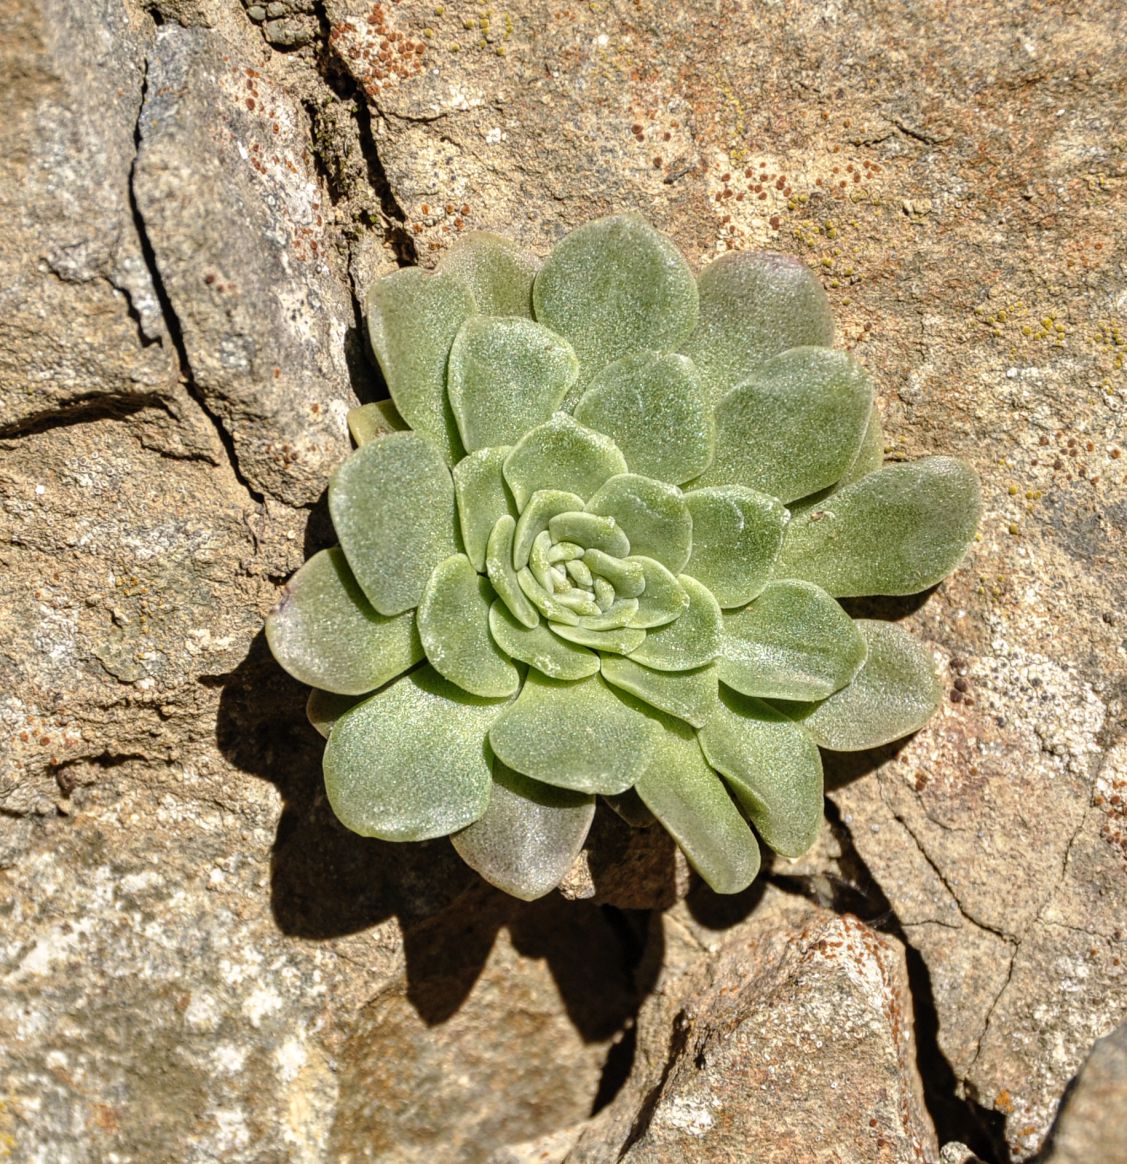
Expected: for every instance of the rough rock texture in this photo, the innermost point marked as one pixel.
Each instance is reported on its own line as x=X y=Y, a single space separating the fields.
x=1093 y=1119
x=196 y=962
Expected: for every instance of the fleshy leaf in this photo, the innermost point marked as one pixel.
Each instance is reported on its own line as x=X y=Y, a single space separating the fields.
x=619 y=641
x=771 y=765
x=869 y=458
x=614 y=287
x=652 y=514
x=495 y=269
x=453 y=620
x=413 y=317
x=792 y=642
x=411 y=762
x=530 y=834
x=894 y=693
x=499 y=567
x=737 y=533
x=663 y=598
x=629 y=807
x=392 y=504
x=482 y=497
x=689 y=695
x=574 y=735
x=561 y=454
x=653 y=407
x=537 y=514
x=543 y=600
x=325 y=632
x=693 y=640
x=620 y=613
x=794 y=426
x=591 y=531
x=895 y=531
x=505 y=376
x=540 y=647
x=369 y=422
x=627 y=576
x=323 y=709
x=752 y=307
x=690 y=800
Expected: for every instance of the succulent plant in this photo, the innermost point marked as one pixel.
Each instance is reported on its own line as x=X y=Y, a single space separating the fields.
x=592 y=547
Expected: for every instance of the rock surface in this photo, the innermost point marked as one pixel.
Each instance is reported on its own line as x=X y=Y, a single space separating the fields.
x=197 y=962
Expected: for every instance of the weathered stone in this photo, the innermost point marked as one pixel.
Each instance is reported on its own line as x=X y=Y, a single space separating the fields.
x=1093 y=1119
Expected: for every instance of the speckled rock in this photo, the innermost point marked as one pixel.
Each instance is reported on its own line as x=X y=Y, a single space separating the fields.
x=1093 y=1119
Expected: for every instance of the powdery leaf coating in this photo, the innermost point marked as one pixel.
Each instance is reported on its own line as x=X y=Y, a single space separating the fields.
x=540 y=647
x=662 y=599
x=653 y=407
x=794 y=426
x=453 y=619
x=771 y=765
x=529 y=836
x=504 y=376
x=482 y=498
x=689 y=695
x=413 y=318
x=325 y=632
x=792 y=642
x=574 y=735
x=737 y=534
x=693 y=640
x=497 y=272
x=323 y=709
x=541 y=508
x=895 y=692
x=896 y=531
x=681 y=789
x=651 y=514
x=409 y=763
x=369 y=422
x=502 y=574
x=614 y=287
x=392 y=505
x=561 y=454
x=752 y=307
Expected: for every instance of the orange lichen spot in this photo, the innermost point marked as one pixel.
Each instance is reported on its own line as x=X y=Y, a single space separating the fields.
x=1003 y=1102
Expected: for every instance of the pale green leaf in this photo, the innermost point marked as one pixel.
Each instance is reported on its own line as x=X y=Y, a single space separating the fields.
x=895 y=692
x=535 y=517
x=540 y=646
x=574 y=735
x=530 y=835
x=505 y=376
x=752 y=307
x=413 y=317
x=653 y=407
x=482 y=497
x=628 y=807
x=324 y=631
x=652 y=514
x=614 y=287
x=619 y=640
x=627 y=576
x=794 y=426
x=895 y=531
x=453 y=620
x=689 y=695
x=495 y=269
x=792 y=642
x=663 y=598
x=690 y=800
x=369 y=422
x=392 y=504
x=737 y=533
x=693 y=640
x=411 y=762
x=620 y=613
x=543 y=599
x=561 y=454
x=323 y=709
x=869 y=458
x=771 y=765
x=503 y=576
x=591 y=532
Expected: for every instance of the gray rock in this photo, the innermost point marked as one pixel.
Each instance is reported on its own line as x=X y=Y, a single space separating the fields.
x=1093 y=1119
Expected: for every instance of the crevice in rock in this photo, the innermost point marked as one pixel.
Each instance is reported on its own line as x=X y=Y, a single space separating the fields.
x=955 y=1116
x=171 y=319
x=678 y=1042
x=85 y=409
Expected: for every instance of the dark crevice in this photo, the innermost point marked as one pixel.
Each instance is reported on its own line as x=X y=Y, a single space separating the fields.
x=84 y=409
x=171 y=319
x=954 y=1116
x=678 y=1041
